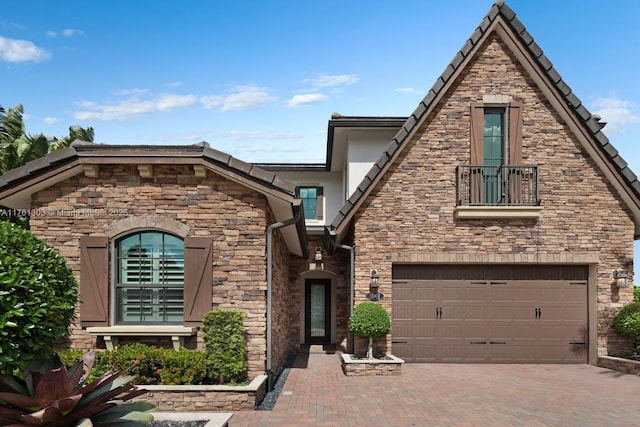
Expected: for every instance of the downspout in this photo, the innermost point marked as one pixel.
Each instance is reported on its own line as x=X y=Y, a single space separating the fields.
x=352 y=293
x=270 y=229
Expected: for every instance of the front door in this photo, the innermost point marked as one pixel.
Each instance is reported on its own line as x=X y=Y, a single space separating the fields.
x=317 y=311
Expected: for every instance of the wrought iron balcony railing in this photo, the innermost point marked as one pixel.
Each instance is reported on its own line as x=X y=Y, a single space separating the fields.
x=505 y=185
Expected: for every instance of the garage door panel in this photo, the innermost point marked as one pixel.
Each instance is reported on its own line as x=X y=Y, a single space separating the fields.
x=512 y=321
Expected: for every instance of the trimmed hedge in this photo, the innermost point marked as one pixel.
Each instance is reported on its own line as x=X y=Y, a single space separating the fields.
x=369 y=320
x=225 y=345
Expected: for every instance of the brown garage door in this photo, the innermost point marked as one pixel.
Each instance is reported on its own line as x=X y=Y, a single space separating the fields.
x=500 y=317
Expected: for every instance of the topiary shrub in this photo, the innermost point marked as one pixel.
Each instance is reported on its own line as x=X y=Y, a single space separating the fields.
x=636 y=294
x=627 y=322
x=369 y=320
x=225 y=346
x=38 y=294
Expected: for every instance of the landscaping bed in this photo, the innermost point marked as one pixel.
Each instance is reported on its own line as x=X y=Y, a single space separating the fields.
x=356 y=366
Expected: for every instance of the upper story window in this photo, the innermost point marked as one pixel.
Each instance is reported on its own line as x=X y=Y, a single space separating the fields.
x=312 y=200
x=149 y=278
x=494 y=137
x=496 y=175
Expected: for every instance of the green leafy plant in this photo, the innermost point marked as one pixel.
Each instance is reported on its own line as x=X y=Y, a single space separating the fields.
x=636 y=294
x=225 y=346
x=184 y=366
x=51 y=395
x=149 y=364
x=369 y=320
x=144 y=362
x=38 y=294
x=627 y=322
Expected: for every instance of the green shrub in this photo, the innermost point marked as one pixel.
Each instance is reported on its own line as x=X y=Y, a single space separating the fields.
x=143 y=361
x=636 y=294
x=369 y=320
x=148 y=364
x=184 y=366
x=225 y=346
x=627 y=322
x=38 y=294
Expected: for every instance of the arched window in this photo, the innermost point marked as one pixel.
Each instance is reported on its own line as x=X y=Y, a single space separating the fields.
x=149 y=279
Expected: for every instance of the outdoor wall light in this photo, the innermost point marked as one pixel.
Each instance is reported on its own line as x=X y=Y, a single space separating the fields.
x=374 y=284
x=621 y=278
x=375 y=280
x=318 y=256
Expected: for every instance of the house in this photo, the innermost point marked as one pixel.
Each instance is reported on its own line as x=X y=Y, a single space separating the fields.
x=489 y=223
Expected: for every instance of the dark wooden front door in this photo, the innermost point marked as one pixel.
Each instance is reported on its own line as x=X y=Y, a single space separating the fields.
x=317 y=311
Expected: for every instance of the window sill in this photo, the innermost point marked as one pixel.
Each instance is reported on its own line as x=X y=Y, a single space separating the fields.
x=111 y=333
x=498 y=212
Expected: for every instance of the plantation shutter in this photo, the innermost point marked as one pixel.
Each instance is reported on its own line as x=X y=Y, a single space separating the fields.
x=94 y=281
x=198 y=278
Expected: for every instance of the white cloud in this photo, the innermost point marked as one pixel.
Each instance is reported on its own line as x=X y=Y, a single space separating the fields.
x=135 y=92
x=247 y=98
x=50 y=120
x=70 y=32
x=328 y=80
x=174 y=84
x=243 y=97
x=406 y=90
x=617 y=113
x=132 y=107
x=211 y=101
x=306 y=99
x=171 y=101
x=12 y=50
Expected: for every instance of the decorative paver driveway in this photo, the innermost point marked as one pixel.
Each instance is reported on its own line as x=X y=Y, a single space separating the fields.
x=316 y=393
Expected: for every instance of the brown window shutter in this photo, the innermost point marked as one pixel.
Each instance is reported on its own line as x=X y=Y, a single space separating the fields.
x=515 y=152
x=198 y=278
x=515 y=133
x=477 y=144
x=94 y=281
x=477 y=133
x=319 y=205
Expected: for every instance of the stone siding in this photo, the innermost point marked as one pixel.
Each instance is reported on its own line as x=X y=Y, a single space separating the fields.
x=206 y=398
x=410 y=214
x=234 y=216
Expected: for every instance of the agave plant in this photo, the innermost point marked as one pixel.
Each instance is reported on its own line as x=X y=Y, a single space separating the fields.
x=50 y=395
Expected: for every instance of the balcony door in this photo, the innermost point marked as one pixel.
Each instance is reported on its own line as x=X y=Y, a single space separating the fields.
x=317 y=311
x=494 y=154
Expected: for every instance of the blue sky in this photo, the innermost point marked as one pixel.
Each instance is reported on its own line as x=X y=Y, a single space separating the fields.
x=260 y=79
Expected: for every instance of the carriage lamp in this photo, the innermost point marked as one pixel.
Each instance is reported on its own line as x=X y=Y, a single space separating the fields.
x=621 y=278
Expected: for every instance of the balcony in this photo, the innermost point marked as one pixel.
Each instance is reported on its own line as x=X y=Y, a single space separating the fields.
x=506 y=191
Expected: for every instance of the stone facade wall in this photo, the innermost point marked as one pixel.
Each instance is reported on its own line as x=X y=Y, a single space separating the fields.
x=410 y=215
x=234 y=216
x=205 y=398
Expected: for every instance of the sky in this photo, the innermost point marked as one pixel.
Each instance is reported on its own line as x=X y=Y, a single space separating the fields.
x=260 y=79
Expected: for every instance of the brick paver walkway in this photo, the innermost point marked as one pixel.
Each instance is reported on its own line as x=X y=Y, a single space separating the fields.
x=318 y=394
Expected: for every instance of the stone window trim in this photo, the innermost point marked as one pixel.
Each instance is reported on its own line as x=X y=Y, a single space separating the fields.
x=134 y=223
x=111 y=334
